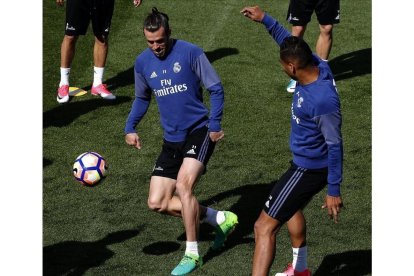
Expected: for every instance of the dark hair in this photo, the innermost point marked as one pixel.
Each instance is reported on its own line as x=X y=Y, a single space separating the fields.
x=294 y=48
x=156 y=20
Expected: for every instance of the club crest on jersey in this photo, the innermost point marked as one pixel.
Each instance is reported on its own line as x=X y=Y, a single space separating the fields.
x=177 y=67
x=300 y=101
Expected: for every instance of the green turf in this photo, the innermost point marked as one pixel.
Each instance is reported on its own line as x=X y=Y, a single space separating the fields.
x=108 y=229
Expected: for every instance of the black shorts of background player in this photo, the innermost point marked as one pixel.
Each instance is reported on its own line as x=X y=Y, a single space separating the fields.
x=299 y=15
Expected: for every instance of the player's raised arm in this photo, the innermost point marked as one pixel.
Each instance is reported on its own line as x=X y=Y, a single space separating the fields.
x=137 y=2
x=275 y=29
x=254 y=13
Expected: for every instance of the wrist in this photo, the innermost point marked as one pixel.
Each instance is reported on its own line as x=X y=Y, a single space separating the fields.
x=334 y=190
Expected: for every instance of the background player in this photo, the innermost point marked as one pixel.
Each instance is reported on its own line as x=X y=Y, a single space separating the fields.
x=78 y=15
x=299 y=15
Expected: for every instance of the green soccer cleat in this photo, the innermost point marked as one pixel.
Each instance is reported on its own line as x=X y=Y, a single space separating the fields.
x=187 y=264
x=223 y=230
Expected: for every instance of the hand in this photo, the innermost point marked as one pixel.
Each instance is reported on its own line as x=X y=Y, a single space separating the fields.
x=254 y=13
x=133 y=139
x=216 y=136
x=334 y=205
x=60 y=2
x=137 y=3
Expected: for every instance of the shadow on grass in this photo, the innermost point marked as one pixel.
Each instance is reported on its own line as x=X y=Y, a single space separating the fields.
x=63 y=115
x=46 y=162
x=126 y=77
x=161 y=248
x=351 y=263
x=221 y=53
x=351 y=65
x=75 y=258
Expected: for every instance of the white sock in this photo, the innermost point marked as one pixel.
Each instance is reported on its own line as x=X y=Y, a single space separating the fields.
x=191 y=247
x=300 y=256
x=220 y=218
x=97 y=75
x=324 y=60
x=64 y=76
x=214 y=217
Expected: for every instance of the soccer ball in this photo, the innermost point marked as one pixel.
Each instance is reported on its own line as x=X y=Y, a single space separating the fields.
x=89 y=168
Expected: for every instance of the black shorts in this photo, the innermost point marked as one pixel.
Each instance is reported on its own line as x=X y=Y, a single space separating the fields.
x=197 y=145
x=293 y=191
x=80 y=12
x=300 y=12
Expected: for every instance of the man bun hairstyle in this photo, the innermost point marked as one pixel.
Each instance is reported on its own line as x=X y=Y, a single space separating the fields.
x=156 y=20
x=294 y=48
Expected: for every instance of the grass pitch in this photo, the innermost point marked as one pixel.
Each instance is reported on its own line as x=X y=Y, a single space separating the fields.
x=108 y=229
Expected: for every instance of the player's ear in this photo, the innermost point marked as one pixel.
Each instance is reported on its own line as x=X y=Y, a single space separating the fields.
x=292 y=68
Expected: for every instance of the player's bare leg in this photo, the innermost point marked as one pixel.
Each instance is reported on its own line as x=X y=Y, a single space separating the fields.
x=324 y=43
x=190 y=171
x=296 y=226
x=67 y=50
x=297 y=231
x=298 y=31
x=100 y=51
x=265 y=230
x=161 y=197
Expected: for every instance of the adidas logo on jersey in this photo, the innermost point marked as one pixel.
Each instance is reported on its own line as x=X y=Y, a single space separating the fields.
x=153 y=75
x=191 y=151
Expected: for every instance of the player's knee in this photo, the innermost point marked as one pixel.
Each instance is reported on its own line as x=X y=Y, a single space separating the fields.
x=70 y=39
x=326 y=30
x=262 y=228
x=259 y=228
x=298 y=31
x=157 y=205
x=101 y=40
x=183 y=190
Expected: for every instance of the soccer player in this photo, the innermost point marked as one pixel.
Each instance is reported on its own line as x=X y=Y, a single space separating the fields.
x=78 y=15
x=316 y=144
x=299 y=15
x=172 y=71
